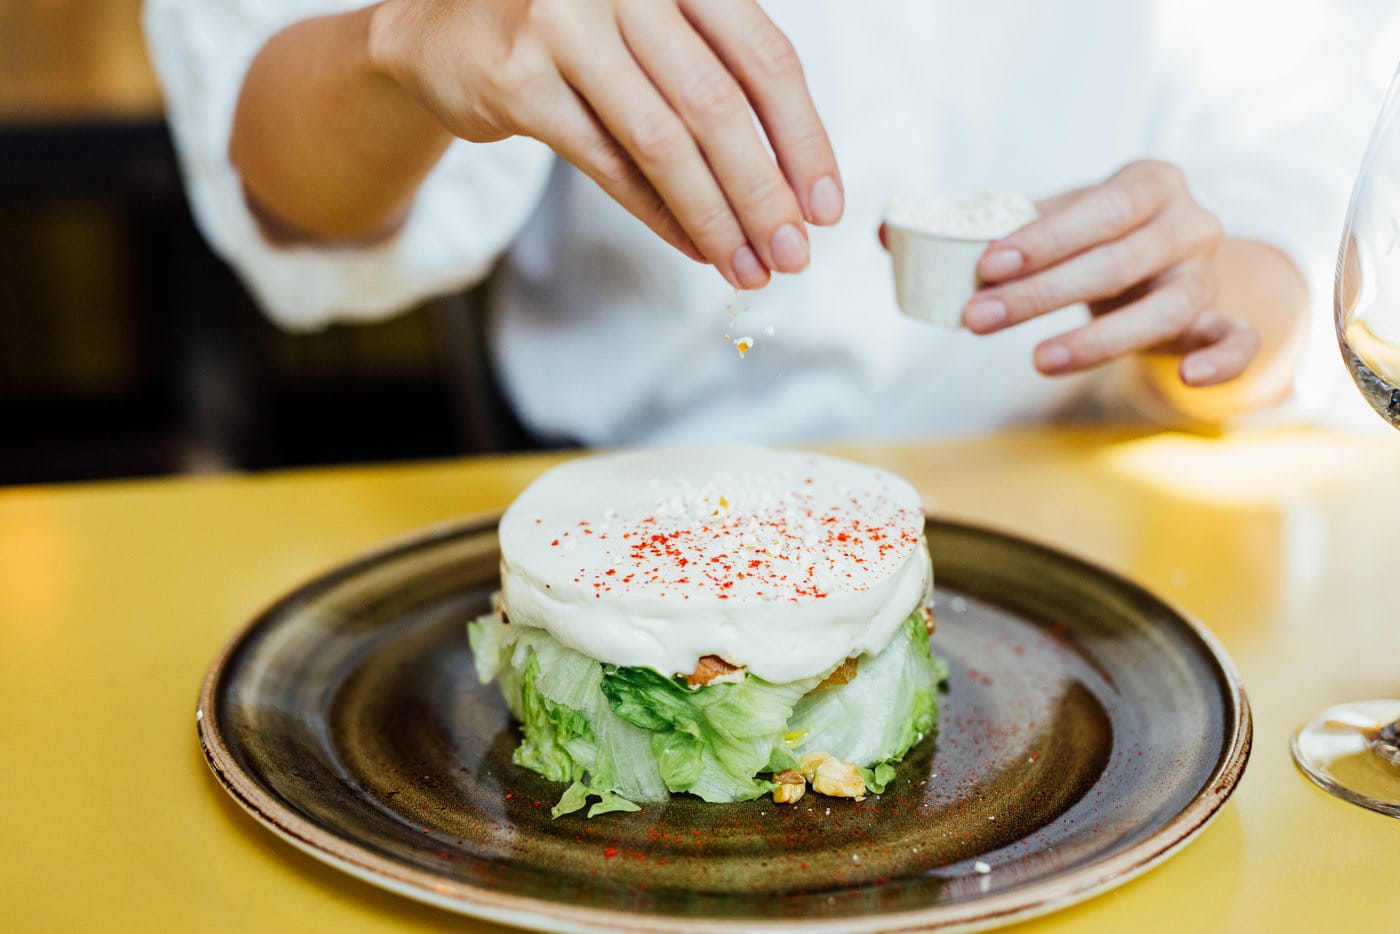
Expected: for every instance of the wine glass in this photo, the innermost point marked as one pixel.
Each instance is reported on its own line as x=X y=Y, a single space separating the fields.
x=1353 y=750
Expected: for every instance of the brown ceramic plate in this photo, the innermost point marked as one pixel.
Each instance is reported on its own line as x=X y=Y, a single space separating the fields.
x=1087 y=733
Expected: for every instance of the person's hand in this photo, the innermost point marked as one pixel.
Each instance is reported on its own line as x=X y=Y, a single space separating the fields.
x=653 y=99
x=1141 y=253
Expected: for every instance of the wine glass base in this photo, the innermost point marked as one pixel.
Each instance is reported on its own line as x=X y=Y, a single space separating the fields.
x=1333 y=751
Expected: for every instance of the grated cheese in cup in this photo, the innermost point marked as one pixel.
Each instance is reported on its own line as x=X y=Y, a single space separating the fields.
x=935 y=244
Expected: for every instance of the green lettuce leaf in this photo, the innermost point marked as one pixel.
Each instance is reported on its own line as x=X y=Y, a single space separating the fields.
x=711 y=741
x=781 y=759
x=573 y=799
x=608 y=803
x=493 y=643
x=877 y=778
x=558 y=740
x=576 y=796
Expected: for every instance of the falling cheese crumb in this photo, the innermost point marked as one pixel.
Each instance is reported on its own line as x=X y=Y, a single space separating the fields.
x=743 y=345
x=735 y=301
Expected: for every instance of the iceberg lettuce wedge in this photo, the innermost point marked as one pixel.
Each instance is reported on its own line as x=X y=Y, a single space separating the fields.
x=627 y=735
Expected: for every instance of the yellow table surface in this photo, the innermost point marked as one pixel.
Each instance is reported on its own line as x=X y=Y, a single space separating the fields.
x=114 y=598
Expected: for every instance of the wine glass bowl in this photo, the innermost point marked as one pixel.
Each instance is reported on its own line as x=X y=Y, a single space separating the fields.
x=1367 y=291
x=1353 y=750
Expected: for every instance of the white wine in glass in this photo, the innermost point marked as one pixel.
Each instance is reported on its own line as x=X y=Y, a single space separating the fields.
x=1353 y=750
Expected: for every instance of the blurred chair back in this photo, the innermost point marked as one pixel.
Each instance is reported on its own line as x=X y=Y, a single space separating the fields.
x=127 y=348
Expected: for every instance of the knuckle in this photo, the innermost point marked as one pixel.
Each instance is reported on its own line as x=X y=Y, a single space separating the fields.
x=1126 y=264
x=1211 y=232
x=1157 y=172
x=715 y=224
x=1135 y=172
x=652 y=211
x=609 y=166
x=1204 y=296
x=1088 y=348
x=658 y=216
x=1154 y=249
x=544 y=15
x=1177 y=307
x=764 y=188
x=712 y=95
x=1249 y=338
x=1140 y=189
x=547 y=22
x=1036 y=242
x=517 y=68
x=1121 y=206
x=523 y=75
x=774 y=55
x=655 y=135
x=1168 y=172
x=1209 y=325
x=811 y=145
x=1200 y=287
x=1035 y=296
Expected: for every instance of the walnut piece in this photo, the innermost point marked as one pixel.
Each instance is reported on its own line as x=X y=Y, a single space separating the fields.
x=707 y=669
x=808 y=764
x=842 y=675
x=927 y=612
x=832 y=777
x=791 y=786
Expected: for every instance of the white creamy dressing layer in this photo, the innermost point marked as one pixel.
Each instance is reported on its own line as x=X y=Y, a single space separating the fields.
x=783 y=562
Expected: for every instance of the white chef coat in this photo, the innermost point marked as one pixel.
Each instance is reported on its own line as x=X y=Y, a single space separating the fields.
x=604 y=335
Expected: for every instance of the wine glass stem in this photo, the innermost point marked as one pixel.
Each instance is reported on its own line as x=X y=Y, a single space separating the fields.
x=1386 y=743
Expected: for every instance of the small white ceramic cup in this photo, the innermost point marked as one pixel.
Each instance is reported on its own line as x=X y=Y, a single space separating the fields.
x=934 y=275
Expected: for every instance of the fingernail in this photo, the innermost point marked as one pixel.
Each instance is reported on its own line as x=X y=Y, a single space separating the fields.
x=999 y=264
x=747 y=269
x=1052 y=357
x=1196 y=372
x=985 y=315
x=826 y=203
x=789 y=249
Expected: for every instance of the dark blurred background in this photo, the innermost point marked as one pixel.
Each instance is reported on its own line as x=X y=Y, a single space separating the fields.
x=128 y=349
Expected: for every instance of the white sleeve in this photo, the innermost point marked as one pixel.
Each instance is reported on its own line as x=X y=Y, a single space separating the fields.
x=467 y=211
x=1267 y=109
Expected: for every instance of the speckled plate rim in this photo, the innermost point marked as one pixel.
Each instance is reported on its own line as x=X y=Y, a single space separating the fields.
x=1019 y=904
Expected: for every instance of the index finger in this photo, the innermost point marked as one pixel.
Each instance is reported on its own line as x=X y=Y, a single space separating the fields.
x=756 y=52
x=1068 y=227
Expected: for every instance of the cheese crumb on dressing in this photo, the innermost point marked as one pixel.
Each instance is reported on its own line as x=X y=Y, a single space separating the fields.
x=783 y=563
